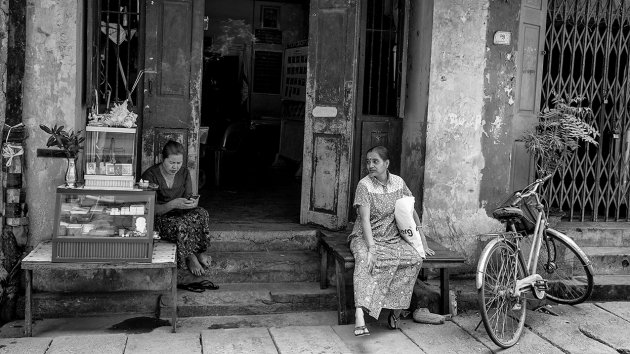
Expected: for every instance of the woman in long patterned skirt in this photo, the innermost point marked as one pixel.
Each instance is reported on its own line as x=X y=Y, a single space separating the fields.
x=386 y=266
x=178 y=218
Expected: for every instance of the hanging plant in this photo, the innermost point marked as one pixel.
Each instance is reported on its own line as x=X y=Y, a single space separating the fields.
x=558 y=134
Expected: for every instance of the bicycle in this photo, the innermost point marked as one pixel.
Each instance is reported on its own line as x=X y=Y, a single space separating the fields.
x=505 y=280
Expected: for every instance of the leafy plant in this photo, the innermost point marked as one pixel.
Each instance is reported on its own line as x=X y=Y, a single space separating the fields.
x=559 y=132
x=68 y=141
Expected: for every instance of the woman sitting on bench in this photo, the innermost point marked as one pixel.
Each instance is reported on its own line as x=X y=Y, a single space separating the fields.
x=386 y=266
x=178 y=218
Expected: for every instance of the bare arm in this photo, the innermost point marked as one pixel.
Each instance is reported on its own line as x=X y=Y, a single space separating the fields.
x=364 y=214
x=416 y=218
x=177 y=203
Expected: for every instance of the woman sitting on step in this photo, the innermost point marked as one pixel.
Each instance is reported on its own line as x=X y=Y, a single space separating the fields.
x=386 y=266
x=178 y=219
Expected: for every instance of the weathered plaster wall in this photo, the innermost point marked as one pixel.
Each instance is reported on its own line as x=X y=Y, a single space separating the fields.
x=453 y=211
x=499 y=89
x=417 y=97
x=51 y=91
x=4 y=22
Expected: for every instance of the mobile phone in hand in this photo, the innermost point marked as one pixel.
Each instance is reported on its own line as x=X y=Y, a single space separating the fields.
x=193 y=197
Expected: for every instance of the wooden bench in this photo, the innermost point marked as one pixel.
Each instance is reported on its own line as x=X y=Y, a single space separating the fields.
x=336 y=244
x=164 y=256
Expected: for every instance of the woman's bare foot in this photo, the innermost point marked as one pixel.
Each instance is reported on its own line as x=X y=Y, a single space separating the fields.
x=204 y=259
x=194 y=266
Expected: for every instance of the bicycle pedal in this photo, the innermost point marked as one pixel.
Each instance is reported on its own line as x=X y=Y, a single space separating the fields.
x=541 y=285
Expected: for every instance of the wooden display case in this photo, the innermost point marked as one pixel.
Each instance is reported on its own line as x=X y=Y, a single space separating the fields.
x=102 y=225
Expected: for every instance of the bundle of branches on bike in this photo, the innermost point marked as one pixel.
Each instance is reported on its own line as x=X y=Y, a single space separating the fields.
x=559 y=132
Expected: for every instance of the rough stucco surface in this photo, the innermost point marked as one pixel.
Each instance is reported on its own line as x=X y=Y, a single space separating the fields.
x=50 y=89
x=4 y=6
x=499 y=83
x=453 y=213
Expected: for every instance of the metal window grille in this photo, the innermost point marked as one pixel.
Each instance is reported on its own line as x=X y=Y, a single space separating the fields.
x=115 y=28
x=588 y=53
x=383 y=57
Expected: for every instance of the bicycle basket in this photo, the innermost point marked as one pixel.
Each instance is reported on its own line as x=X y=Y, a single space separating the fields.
x=527 y=223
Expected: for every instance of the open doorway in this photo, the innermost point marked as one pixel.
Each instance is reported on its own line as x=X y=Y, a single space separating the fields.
x=253 y=105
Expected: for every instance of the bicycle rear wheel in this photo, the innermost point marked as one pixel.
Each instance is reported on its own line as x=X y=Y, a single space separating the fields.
x=502 y=312
x=569 y=278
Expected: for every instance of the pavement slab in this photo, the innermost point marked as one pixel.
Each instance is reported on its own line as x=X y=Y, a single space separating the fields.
x=102 y=344
x=238 y=340
x=564 y=330
x=446 y=338
x=307 y=339
x=24 y=345
x=380 y=340
x=621 y=309
x=528 y=344
x=606 y=328
x=149 y=343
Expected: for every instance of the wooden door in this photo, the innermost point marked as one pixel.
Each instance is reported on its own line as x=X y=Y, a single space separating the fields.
x=380 y=89
x=330 y=112
x=529 y=61
x=172 y=79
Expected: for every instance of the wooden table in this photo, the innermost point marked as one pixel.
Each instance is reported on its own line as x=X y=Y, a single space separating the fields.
x=164 y=256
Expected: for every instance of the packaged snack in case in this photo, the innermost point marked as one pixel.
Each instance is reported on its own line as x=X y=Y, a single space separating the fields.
x=137 y=209
x=114 y=211
x=125 y=211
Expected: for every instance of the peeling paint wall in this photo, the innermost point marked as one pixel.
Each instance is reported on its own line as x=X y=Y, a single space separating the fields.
x=4 y=22
x=51 y=94
x=453 y=211
x=417 y=97
x=499 y=90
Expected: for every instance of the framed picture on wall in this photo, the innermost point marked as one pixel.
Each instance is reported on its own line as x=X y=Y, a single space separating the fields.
x=269 y=17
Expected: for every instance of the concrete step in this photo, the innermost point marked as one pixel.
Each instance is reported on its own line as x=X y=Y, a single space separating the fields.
x=229 y=299
x=256 y=299
x=609 y=260
x=594 y=234
x=273 y=237
x=272 y=266
x=227 y=267
x=611 y=288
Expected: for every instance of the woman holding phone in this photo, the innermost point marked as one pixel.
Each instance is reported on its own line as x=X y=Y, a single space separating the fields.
x=178 y=217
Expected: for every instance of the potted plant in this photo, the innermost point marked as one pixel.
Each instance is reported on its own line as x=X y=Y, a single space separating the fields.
x=558 y=134
x=71 y=144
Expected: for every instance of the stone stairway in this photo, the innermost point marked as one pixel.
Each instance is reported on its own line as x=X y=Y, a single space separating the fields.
x=607 y=244
x=261 y=269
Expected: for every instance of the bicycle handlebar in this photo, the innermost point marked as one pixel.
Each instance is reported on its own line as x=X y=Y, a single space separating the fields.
x=530 y=189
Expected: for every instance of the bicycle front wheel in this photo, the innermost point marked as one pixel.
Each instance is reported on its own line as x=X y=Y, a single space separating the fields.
x=566 y=269
x=503 y=312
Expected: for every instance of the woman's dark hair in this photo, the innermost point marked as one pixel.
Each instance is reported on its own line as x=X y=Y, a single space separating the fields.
x=172 y=148
x=381 y=150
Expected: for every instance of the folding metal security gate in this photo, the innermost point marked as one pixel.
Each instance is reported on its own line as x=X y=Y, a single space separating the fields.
x=587 y=54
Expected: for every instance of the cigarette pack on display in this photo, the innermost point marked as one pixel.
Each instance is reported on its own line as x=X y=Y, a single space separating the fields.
x=103 y=225
x=110 y=157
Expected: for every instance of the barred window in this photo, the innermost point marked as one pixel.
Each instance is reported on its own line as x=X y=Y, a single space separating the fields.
x=114 y=52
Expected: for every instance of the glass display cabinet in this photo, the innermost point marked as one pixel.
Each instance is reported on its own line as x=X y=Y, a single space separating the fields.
x=109 y=157
x=102 y=225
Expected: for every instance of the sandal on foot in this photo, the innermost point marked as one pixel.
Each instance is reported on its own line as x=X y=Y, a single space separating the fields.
x=392 y=321
x=361 y=331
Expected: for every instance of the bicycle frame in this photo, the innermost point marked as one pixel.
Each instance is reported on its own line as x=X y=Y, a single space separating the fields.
x=531 y=276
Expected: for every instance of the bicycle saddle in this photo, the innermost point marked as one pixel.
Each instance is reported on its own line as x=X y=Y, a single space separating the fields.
x=507 y=213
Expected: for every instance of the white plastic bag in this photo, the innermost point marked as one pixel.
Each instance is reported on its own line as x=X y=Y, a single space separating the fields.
x=403 y=212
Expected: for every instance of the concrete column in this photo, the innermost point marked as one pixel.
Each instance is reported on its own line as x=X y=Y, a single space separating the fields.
x=453 y=213
x=52 y=86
